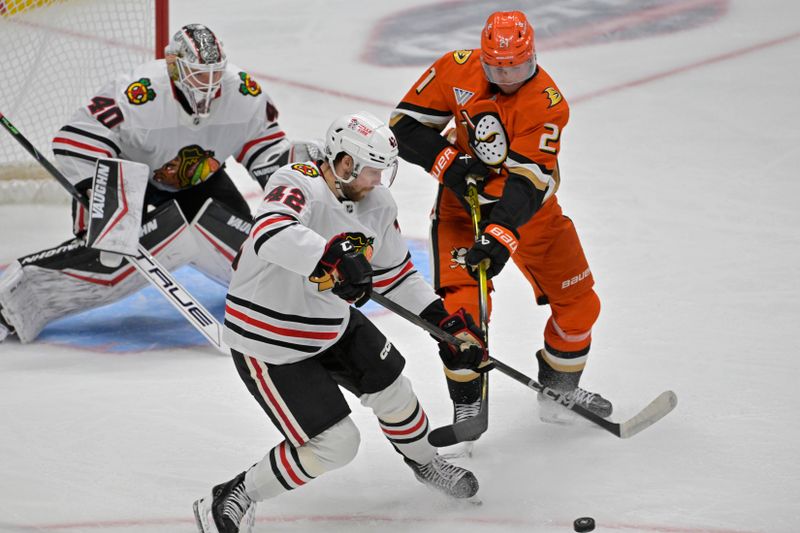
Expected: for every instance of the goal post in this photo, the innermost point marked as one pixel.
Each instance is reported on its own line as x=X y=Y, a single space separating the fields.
x=54 y=55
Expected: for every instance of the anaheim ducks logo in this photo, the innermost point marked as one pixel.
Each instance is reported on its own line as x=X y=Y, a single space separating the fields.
x=248 y=85
x=458 y=258
x=487 y=137
x=554 y=96
x=306 y=170
x=361 y=243
x=461 y=56
x=139 y=92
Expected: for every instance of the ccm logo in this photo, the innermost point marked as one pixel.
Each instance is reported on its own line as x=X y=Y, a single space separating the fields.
x=444 y=160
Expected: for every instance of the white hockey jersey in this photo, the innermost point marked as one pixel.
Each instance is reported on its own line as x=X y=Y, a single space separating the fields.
x=140 y=116
x=274 y=310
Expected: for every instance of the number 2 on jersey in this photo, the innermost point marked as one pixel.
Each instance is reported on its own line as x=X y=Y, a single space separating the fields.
x=551 y=137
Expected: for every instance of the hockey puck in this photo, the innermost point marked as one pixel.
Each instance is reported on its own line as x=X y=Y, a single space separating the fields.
x=584 y=523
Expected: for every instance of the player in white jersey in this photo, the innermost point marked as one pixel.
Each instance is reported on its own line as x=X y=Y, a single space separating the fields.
x=182 y=117
x=324 y=237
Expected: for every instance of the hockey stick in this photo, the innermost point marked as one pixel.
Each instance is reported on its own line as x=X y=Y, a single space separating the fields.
x=471 y=428
x=652 y=413
x=146 y=264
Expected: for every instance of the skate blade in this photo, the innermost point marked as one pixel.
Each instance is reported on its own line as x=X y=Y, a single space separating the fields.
x=201 y=518
x=460 y=451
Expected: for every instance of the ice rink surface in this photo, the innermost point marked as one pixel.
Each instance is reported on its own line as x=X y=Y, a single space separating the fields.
x=679 y=168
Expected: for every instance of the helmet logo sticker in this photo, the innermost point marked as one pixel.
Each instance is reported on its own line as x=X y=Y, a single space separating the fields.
x=358 y=127
x=554 y=96
x=248 y=85
x=139 y=92
x=461 y=56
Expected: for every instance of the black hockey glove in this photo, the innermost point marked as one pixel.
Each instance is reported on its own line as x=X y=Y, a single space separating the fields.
x=458 y=168
x=350 y=270
x=472 y=354
x=493 y=248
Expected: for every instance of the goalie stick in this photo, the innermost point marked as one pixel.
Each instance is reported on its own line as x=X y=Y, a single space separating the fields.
x=197 y=315
x=448 y=435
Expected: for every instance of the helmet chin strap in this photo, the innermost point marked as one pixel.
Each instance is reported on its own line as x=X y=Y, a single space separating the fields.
x=338 y=180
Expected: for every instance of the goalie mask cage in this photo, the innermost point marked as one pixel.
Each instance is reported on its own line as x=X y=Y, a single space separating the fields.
x=55 y=54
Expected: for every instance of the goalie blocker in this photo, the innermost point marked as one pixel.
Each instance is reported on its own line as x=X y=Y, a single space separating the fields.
x=42 y=287
x=115 y=209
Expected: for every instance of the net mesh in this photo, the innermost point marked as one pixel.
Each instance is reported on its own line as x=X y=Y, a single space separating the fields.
x=54 y=55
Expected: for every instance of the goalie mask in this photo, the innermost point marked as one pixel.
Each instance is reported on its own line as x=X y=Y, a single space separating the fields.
x=366 y=139
x=196 y=64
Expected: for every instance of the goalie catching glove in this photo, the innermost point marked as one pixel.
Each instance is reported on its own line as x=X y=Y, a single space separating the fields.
x=349 y=269
x=471 y=354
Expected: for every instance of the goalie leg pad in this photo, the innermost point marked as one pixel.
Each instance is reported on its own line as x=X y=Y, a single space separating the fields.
x=45 y=286
x=285 y=467
x=219 y=233
x=402 y=419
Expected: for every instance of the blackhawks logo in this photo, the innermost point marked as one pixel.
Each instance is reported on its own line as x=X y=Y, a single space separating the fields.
x=192 y=165
x=306 y=170
x=248 y=85
x=139 y=92
x=361 y=243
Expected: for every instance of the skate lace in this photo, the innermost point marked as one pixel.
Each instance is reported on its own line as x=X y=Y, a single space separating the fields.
x=581 y=396
x=237 y=504
x=463 y=411
x=442 y=473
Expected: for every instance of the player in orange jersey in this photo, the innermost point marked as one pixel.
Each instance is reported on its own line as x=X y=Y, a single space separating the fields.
x=509 y=116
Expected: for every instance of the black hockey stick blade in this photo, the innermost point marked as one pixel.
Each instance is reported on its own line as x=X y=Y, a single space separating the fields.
x=465 y=430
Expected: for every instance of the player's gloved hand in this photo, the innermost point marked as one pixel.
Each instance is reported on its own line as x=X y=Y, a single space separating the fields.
x=493 y=248
x=350 y=270
x=472 y=353
x=458 y=168
x=80 y=215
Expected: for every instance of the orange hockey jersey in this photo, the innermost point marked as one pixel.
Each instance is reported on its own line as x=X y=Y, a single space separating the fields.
x=517 y=134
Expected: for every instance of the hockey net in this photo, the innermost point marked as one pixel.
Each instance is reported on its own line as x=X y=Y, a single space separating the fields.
x=55 y=54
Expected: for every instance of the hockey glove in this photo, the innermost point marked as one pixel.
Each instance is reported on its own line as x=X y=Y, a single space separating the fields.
x=493 y=248
x=453 y=168
x=472 y=353
x=350 y=270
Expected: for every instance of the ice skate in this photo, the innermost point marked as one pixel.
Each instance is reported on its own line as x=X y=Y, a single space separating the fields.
x=461 y=412
x=554 y=413
x=228 y=509
x=446 y=477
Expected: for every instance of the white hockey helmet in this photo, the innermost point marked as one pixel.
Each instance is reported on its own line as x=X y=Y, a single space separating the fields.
x=196 y=63
x=368 y=140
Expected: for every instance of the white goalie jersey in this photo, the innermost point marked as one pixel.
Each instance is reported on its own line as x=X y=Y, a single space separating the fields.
x=142 y=117
x=275 y=310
